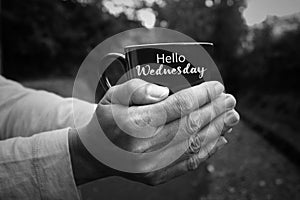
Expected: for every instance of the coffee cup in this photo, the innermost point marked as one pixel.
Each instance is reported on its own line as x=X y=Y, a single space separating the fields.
x=174 y=65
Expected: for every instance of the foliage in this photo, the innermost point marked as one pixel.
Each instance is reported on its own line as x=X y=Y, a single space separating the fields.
x=42 y=37
x=52 y=37
x=222 y=24
x=273 y=63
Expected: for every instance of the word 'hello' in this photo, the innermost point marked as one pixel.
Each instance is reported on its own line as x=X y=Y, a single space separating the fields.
x=174 y=58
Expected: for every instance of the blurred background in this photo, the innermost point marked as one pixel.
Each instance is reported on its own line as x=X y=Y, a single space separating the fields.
x=43 y=43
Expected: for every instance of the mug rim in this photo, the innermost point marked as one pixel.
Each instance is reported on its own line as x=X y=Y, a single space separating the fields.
x=168 y=44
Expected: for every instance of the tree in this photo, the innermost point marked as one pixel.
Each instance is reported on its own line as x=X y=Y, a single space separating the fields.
x=42 y=37
x=275 y=56
x=220 y=22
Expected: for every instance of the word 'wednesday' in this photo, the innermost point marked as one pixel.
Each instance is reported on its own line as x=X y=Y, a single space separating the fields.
x=165 y=70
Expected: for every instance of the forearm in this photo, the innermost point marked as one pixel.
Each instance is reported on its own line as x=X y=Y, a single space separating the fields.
x=85 y=167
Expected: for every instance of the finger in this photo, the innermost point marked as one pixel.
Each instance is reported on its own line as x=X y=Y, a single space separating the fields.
x=179 y=168
x=195 y=121
x=232 y=118
x=213 y=131
x=208 y=135
x=178 y=104
x=135 y=92
x=205 y=139
x=194 y=161
x=198 y=119
x=205 y=147
x=151 y=139
x=229 y=131
x=142 y=121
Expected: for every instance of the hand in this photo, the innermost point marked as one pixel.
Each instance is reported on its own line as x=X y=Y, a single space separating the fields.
x=146 y=110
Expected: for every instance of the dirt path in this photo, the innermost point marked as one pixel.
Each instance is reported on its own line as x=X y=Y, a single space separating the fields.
x=247 y=168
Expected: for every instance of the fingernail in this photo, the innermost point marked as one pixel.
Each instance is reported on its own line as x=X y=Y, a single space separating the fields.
x=231 y=118
x=221 y=142
x=219 y=88
x=157 y=91
x=229 y=131
x=229 y=101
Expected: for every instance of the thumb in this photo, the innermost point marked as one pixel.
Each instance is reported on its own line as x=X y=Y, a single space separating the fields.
x=136 y=92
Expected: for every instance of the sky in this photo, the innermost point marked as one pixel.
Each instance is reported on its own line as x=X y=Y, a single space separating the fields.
x=256 y=11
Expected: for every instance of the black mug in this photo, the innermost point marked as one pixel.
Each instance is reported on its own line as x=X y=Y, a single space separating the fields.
x=174 y=65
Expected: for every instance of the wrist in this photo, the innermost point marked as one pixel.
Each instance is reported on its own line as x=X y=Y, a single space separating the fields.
x=85 y=167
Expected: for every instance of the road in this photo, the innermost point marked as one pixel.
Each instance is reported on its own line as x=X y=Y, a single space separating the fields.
x=247 y=168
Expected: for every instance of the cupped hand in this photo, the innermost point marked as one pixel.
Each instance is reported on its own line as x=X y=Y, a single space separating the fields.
x=141 y=117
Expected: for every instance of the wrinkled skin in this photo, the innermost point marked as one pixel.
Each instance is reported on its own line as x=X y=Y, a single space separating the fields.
x=138 y=116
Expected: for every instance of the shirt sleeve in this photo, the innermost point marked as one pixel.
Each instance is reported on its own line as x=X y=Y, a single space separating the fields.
x=24 y=111
x=34 y=154
x=37 y=167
